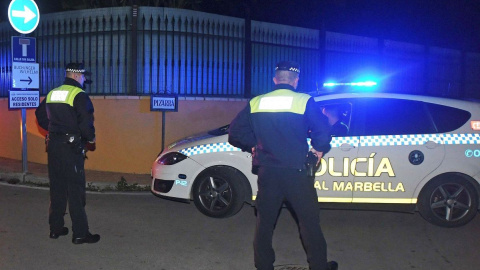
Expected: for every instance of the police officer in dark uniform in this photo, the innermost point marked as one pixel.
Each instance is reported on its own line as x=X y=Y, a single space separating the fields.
x=67 y=114
x=275 y=127
x=334 y=115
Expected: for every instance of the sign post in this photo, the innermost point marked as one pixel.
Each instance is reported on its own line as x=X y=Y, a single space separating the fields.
x=24 y=17
x=164 y=103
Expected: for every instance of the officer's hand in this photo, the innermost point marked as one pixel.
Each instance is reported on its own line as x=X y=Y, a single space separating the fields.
x=318 y=154
x=91 y=146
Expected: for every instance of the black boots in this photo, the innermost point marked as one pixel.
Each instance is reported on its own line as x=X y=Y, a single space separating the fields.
x=89 y=239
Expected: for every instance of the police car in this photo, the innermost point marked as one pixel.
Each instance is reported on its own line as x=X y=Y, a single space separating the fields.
x=400 y=152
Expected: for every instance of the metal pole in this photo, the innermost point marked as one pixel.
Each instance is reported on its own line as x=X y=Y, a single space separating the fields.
x=24 y=141
x=163 y=131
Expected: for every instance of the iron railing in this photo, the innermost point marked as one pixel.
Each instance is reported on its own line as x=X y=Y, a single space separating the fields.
x=150 y=50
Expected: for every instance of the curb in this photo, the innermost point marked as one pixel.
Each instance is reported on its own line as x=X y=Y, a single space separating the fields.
x=291 y=267
x=29 y=178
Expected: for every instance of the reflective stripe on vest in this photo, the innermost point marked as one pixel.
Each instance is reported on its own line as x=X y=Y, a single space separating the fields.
x=282 y=100
x=64 y=94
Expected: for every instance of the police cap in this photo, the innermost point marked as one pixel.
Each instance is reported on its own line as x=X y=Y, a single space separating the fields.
x=77 y=68
x=288 y=66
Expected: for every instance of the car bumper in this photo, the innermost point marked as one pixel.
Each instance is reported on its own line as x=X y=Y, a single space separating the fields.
x=175 y=181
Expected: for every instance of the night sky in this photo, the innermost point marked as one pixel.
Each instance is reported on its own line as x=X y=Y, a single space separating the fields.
x=445 y=23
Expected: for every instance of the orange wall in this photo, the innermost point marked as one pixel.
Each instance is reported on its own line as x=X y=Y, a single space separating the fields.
x=129 y=135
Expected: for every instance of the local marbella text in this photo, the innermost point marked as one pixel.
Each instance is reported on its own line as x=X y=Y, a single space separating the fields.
x=360 y=186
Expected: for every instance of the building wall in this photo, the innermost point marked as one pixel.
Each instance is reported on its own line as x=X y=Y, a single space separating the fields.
x=129 y=135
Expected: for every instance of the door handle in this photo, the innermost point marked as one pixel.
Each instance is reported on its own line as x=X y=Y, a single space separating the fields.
x=346 y=147
x=431 y=144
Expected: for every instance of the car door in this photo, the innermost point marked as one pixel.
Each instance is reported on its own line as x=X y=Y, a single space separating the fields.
x=398 y=147
x=334 y=169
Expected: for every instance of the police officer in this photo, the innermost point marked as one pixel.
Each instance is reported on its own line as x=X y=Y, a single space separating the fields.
x=334 y=115
x=275 y=127
x=67 y=114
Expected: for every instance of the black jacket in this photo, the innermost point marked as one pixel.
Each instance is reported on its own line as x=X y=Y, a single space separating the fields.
x=63 y=118
x=278 y=132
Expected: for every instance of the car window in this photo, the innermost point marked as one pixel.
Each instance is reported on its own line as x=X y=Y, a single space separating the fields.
x=381 y=116
x=447 y=118
x=338 y=113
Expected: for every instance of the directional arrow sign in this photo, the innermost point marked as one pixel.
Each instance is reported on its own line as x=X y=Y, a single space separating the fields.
x=26 y=14
x=29 y=80
x=25 y=75
x=23 y=15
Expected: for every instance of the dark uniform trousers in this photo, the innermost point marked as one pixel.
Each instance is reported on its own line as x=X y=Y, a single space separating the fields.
x=274 y=186
x=67 y=176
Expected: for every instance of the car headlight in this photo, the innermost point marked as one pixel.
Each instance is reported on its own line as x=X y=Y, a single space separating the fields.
x=171 y=158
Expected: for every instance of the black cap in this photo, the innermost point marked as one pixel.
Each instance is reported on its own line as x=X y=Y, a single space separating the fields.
x=288 y=66
x=77 y=68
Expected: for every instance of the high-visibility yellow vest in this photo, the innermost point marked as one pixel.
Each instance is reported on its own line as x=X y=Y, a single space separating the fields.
x=282 y=100
x=64 y=94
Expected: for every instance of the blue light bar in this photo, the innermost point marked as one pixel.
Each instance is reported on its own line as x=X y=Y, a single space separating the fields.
x=365 y=84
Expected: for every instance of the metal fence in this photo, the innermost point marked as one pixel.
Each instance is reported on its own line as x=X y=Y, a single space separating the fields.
x=403 y=67
x=189 y=53
x=150 y=50
x=273 y=42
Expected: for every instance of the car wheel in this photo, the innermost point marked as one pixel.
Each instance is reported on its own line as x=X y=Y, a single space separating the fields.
x=219 y=192
x=448 y=202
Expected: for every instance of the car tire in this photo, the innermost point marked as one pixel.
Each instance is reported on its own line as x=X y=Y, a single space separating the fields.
x=450 y=201
x=219 y=192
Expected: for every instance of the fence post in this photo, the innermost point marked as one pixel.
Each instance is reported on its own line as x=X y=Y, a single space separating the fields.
x=323 y=55
x=381 y=60
x=426 y=80
x=248 y=52
x=132 y=75
x=463 y=76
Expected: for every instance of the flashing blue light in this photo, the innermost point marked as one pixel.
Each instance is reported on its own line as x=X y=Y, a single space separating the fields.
x=364 y=84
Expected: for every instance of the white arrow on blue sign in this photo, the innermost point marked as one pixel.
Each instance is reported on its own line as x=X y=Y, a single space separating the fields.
x=23 y=15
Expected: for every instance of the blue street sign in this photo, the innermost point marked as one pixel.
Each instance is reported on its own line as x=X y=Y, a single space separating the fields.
x=23 y=49
x=23 y=15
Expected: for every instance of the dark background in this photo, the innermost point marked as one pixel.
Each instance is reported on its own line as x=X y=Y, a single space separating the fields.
x=445 y=23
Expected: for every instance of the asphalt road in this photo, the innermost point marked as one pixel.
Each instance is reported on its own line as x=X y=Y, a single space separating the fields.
x=146 y=232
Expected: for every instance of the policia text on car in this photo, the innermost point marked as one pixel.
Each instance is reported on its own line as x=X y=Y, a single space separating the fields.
x=67 y=114
x=276 y=126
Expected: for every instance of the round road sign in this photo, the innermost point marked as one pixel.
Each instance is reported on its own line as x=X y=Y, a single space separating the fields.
x=23 y=15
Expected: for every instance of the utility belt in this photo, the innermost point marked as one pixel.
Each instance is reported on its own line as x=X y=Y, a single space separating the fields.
x=65 y=137
x=75 y=140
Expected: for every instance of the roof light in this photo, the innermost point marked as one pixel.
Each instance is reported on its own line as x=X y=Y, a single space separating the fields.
x=364 y=84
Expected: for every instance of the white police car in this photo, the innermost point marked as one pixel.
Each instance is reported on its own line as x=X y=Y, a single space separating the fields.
x=401 y=151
